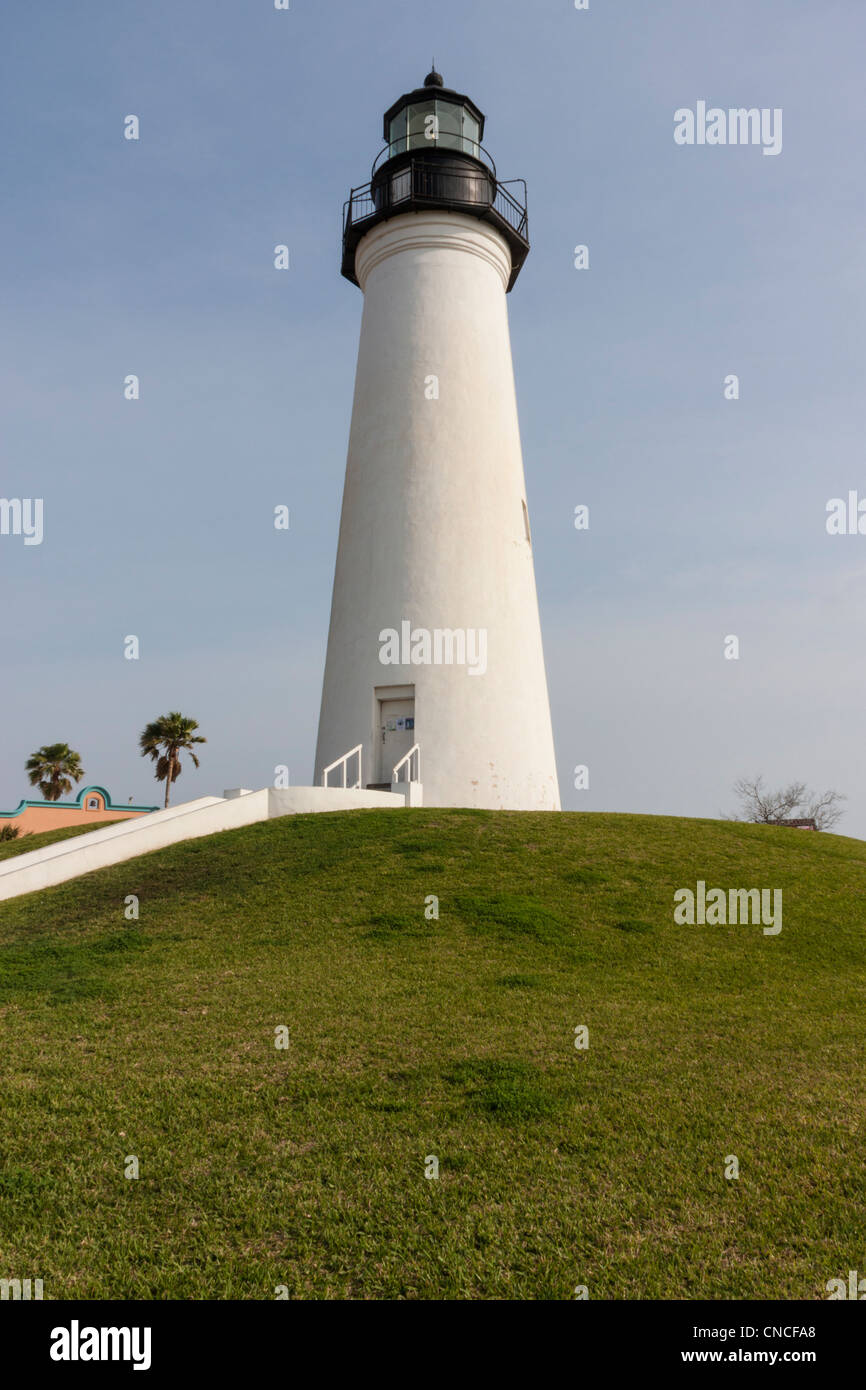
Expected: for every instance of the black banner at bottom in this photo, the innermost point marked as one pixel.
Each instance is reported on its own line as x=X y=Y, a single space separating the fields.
x=81 y=1339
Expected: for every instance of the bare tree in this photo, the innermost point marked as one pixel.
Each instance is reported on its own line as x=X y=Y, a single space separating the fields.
x=795 y=802
x=825 y=810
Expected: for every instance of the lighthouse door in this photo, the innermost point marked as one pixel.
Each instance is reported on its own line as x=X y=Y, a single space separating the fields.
x=396 y=732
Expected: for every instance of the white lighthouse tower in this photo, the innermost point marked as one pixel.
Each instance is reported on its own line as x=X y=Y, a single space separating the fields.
x=435 y=671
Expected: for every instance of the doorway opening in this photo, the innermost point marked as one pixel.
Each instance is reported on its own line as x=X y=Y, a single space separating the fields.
x=395 y=727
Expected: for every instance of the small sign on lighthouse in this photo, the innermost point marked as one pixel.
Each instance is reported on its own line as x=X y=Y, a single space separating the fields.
x=434 y=537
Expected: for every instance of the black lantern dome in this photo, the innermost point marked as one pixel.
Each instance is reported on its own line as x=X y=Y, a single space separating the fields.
x=433 y=158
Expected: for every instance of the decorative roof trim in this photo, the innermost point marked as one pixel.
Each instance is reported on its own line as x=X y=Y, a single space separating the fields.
x=76 y=805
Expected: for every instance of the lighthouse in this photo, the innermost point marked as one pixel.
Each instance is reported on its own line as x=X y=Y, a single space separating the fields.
x=434 y=675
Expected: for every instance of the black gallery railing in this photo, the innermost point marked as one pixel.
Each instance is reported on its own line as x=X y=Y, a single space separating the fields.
x=442 y=182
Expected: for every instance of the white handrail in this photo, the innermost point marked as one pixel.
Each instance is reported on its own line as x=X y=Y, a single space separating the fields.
x=342 y=762
x=414 y=751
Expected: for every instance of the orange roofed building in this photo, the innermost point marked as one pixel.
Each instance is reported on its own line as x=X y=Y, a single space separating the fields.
x=91 y=804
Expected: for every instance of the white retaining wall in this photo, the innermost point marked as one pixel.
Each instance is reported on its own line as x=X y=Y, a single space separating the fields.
x=300 y=800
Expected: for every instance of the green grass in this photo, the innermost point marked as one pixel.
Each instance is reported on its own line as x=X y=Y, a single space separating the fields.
x=411 y=1037
x=24 y=843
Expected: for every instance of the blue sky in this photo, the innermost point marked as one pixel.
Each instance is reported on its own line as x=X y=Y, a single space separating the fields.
x=156 y=258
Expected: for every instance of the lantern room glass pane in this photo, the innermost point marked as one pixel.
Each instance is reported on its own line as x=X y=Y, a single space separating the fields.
x=397 y=133
x=422 y=120
x=450 y=119
x=470 y=135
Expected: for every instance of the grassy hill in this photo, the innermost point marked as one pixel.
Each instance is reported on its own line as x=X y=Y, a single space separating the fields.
x=411 y=1037
x=25 y=843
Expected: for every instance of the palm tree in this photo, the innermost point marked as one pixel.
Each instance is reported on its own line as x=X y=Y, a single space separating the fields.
x=54 y=767
x=164 y=740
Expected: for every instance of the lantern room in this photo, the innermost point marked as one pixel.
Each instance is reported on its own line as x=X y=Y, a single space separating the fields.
x=433 y=159
x=430 y=114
